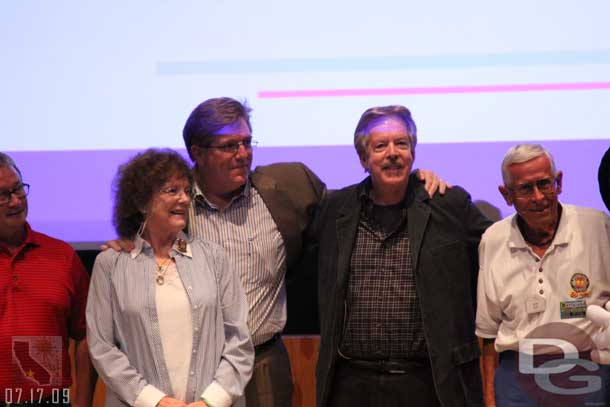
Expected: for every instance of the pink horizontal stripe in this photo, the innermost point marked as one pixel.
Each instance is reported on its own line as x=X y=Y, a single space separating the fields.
x=432 y=90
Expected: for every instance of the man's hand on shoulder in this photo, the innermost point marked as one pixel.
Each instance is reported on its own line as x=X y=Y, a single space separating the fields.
x=432 y=182
x=118 y=245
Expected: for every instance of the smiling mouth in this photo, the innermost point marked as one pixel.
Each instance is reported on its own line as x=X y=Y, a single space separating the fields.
x=540 y=210
x=16 y=213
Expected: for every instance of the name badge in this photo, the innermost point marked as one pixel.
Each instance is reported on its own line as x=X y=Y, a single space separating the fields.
x=534 y=305
x=573 y=309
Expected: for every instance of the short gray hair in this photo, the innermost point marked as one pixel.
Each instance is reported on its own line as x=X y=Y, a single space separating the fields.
x=522 y=153
x=7 y=161
x=362 y=132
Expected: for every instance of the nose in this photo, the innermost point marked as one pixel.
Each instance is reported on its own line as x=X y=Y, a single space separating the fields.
x=14 y=199
x=536 y=194
x=184 y=196
x=391 y=149
x=242 y=151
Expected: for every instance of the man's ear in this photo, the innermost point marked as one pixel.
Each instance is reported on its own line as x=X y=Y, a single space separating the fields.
x=197 y=153
x=363 y=161
x=559 y=178
x=506 y=195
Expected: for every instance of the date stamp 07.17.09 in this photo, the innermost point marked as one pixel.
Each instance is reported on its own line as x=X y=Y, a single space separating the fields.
x=36 y=396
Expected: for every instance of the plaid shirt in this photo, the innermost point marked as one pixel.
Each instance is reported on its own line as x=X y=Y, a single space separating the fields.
x=383 y=316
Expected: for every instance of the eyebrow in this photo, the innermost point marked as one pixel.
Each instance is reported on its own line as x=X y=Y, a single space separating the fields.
x=13 y=187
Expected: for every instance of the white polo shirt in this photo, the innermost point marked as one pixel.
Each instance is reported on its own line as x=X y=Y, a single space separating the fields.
x=519 y=291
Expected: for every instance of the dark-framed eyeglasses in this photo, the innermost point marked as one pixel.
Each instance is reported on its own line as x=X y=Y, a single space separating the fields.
x=232 y=147
x=20 y=191
x=544 y=185
x=173 y=191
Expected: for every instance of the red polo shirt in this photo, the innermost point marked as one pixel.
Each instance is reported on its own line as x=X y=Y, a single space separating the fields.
x=43 y=294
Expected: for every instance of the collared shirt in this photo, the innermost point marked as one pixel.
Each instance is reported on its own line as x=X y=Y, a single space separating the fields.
x=124 y=333
x=256 y=251
x=576 y=266
x=43 y=292
x=383 y=316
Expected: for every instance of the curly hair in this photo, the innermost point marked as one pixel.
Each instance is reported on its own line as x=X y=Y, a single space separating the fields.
x=136 y=182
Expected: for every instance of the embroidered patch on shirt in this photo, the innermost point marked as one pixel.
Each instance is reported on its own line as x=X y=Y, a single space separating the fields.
x=580 y=286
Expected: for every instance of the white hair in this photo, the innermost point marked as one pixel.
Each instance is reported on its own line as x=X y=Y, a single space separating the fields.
x=522 y=153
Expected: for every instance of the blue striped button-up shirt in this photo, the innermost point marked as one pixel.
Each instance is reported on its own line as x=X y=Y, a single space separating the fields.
x=256 y=251
x=123 y=326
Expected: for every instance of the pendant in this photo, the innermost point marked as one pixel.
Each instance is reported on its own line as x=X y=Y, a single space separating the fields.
x=182 y=245
x=160 y=280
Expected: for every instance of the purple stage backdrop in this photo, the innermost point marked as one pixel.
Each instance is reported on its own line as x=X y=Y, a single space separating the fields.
x=71 y=195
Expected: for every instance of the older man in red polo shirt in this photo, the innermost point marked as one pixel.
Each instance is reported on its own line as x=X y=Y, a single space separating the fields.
x=43 y=292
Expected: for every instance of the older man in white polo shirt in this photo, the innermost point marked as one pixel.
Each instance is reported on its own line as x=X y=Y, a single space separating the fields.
x=539 y=270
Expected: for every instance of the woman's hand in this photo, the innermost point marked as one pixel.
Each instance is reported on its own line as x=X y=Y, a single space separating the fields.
x=171 y=402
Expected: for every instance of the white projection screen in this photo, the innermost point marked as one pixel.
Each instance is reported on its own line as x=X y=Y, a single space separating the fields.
x=85 y=85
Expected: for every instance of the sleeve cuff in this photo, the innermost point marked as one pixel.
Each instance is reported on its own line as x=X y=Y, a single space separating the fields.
x=487 y=335
x=149 y=397
x=215 y=396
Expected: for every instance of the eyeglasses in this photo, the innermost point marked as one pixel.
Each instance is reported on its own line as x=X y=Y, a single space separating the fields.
x=232 y=147
x=404 y=145
x=544 y=185
x=173 y=191
x=20 y=191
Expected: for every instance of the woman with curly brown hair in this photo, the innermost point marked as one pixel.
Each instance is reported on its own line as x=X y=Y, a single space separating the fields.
x=166 y=322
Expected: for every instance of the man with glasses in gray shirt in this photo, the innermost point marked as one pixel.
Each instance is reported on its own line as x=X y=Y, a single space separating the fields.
x=260 y=219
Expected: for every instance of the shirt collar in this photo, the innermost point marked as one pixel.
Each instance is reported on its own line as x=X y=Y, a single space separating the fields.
x=181 y=246
x=30 y=236
x=364 y=193
x=201 y=199
x=562 y=235
x=31 y=239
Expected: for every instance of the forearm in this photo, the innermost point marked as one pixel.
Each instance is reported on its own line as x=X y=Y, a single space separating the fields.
x=489 y=363
x=86 y=376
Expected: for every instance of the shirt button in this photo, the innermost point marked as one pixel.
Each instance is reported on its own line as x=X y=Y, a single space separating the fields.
x=541 y=291
x=190 y=288
x=194 y=351
x=537 y=260
x=540 y=281
x=196 y=329
x=540 y=269
x=192 y=373
x=14 y=278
